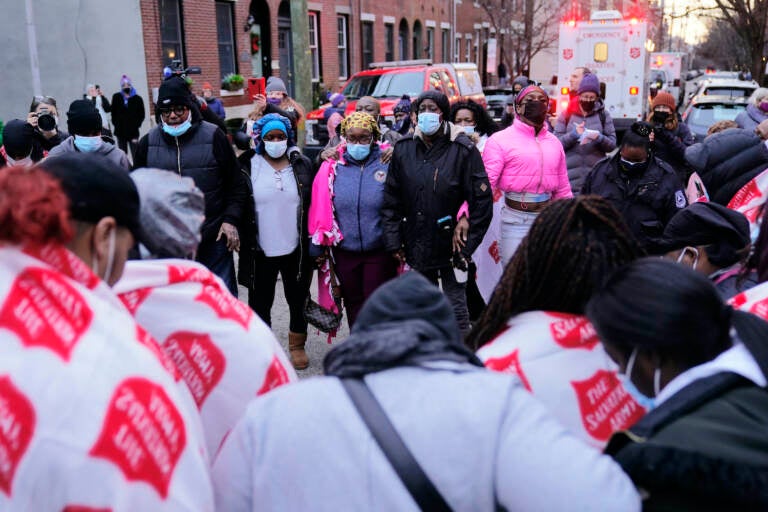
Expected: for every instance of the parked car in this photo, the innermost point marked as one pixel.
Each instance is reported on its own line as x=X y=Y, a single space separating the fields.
x=705 y=110
x=388 y=82
x=733 y=88
x=496 y=97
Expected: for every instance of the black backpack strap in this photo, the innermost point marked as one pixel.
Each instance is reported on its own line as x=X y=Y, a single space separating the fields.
x=405 y=465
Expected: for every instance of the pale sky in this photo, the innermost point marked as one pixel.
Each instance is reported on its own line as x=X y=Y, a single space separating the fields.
x=692 y=28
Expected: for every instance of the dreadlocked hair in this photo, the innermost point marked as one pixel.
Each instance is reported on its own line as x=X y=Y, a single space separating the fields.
x=572 y=246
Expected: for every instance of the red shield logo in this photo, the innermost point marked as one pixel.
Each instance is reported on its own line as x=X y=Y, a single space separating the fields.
x=494 y=252
x=146 y=339
x=143 y=434
x=605 y=405
x=573 y=331
x=200 y=362
x=17 y=425
x=760 y=308
x=745 y=195
x=179 y=274
x=568 y=53
x=225 y=305
x=634 y=53
x=134 y=299
x=509 y=364
x=276 y=376
x=44 y=310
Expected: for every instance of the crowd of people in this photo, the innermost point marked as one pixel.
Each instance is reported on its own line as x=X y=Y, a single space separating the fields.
x=542 y=316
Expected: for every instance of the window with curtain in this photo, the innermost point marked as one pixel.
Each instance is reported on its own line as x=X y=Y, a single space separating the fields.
x=171 y=36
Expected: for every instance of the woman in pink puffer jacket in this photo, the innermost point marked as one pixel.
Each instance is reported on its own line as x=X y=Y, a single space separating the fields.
x=527 y=164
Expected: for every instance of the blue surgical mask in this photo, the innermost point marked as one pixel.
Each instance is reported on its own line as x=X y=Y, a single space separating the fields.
x=276 y=149
x=646 y=402
x=429 y=122
x=469 y=130
x=359 y=151
x=88 y=144
x=178 y=130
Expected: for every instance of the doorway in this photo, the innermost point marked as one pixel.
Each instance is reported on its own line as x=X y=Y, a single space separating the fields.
x=285 y=46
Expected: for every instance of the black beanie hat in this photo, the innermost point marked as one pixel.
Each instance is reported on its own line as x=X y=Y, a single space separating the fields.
x=174 y=91
x=83 y=118
x=96 y=188
x=17 y=138
x=439 y=98
x=723 y=231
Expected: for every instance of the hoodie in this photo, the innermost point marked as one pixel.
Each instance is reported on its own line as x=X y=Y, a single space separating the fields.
x=107 y=149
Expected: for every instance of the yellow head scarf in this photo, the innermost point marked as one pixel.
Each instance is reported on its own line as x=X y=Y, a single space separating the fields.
x=360 y=120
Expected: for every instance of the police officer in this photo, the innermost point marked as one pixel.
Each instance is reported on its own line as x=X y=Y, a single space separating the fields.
x=643 y=188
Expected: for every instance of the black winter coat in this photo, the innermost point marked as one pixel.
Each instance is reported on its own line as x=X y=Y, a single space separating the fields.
x=669 y=146
x=427 y=184
x=249 y=227
x=127 y=118
x=647 y=201
x=727 y=161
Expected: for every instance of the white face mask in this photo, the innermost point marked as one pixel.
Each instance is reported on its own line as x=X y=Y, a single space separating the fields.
x=276 y=149
x=110 y=259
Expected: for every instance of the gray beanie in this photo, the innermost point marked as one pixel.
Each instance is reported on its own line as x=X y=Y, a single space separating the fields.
x=275 y=83
x=172 y=211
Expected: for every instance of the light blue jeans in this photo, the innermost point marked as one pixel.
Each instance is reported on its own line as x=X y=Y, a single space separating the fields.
x=515 y=225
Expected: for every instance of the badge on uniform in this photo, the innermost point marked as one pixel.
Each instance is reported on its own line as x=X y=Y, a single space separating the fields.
x=680 y=201
x=380 y=176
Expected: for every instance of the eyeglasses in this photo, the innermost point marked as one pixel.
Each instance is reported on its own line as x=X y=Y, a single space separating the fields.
x=360 y=140
x=179 y=110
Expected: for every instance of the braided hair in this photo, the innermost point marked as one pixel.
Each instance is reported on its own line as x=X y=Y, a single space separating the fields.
x=572 y=246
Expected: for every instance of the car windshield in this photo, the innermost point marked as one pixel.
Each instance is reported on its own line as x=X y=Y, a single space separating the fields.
x=705 y=116
x=733 y=92
x=389 y=85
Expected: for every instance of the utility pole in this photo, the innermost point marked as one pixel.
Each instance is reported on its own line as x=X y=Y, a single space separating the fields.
x=34 y=63
x=302 y=60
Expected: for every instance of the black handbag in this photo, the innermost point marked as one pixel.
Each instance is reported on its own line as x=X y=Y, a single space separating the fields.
x=324 y=319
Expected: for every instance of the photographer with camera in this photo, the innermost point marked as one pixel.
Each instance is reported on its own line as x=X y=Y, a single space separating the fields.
x=94 y=95
x=127 y=115
x=670 y=137
x=44 y=118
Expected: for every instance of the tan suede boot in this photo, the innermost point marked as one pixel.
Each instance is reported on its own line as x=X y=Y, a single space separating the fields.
x=296 y=342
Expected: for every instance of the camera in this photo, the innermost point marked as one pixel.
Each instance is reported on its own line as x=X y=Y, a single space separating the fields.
x=176 y=69
x=45 y=121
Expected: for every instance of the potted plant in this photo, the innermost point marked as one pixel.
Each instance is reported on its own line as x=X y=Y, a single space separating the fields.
x=232 y=82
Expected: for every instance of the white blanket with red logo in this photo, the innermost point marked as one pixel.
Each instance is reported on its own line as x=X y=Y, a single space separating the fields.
x=749 y=199
x=754 y=300
x=487 y=256
x=225 y=353
x=560 y=360
x=89 y=418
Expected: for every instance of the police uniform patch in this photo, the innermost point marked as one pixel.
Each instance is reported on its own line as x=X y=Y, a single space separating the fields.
x=380 y=176
x=483 y=187
x=680 y=199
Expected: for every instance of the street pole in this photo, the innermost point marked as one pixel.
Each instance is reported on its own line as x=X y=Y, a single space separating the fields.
x=34 y=63
x=302 y=60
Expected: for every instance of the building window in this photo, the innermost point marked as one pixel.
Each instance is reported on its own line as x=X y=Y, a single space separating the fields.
x=402 y=39
x=171 y=37
x=367 y=35
x=224 y=23
x=430 y=43
x=457 y=49
x=446 y=42
x=468 y=49
x=389 y=42
x=342 y=36
x=314 y=48
x=476 y=49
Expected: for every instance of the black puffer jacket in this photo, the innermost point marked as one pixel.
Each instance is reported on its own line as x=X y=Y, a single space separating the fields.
x=727 y=161
x=670 y=145
x=647 y=201
x=249 y=227
x=427 y=184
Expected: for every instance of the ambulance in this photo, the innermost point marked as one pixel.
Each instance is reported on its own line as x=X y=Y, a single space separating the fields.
x=614 y=48
x=668 y=70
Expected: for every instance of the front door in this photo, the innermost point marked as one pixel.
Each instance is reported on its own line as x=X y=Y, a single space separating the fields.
x=285 y=52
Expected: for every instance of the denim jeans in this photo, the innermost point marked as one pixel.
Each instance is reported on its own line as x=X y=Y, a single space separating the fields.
x=219 y=260
x=514 y=227
x=455 y=292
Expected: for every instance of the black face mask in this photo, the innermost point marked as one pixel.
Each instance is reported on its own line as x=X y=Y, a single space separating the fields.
x=634 y=168
x=587 y=106
x=402 y=126
x=127 y=90
x=660 y=117
x=535 y=112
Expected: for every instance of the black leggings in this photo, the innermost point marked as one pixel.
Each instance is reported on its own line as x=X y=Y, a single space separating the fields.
x=263 y=296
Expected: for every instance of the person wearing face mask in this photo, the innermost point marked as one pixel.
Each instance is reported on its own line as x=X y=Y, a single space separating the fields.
x=644 y=189
x=527 y=163
x=84 y=123
x=700 y=368
x=215 y=104
x=402 y=113
x=187 y=145
x=670 y=136
x=127 y=115
x=586 y=132
x=277 y=95
x=274 y=227
x=44 y=118
x=713 y=240
x=345 y=216
x=756 y=111
x=432 y=173
x=20 y=146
